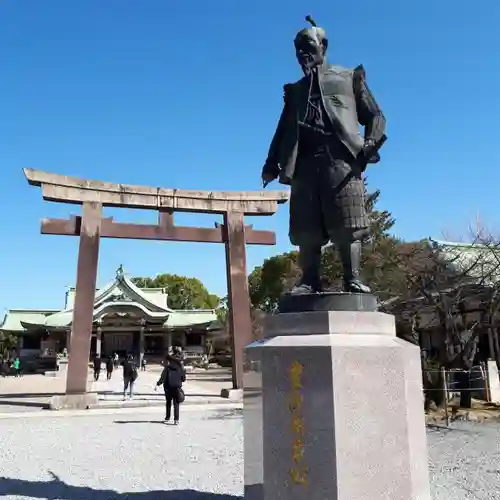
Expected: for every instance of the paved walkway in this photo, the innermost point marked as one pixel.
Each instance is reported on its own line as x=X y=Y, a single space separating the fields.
x=111 y=391
x=33 y=392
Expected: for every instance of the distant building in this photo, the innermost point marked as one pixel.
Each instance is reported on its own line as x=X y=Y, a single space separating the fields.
x=127 y=319
x=480 y=265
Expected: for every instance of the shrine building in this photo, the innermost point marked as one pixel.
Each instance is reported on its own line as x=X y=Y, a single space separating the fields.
x=127 y=320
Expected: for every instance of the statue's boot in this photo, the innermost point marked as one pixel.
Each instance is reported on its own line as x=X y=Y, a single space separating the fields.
x=310 y=265
x=350 y=254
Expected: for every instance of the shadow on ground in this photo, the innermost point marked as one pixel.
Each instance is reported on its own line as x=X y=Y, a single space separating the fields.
x=59 y=490
x=24 y=404
x=139 y=422
x=7 y=395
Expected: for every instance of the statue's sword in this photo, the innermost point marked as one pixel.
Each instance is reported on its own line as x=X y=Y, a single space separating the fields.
x=369 y=156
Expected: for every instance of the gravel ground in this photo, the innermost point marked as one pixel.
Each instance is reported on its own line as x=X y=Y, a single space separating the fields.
x=465 y=461
x=128 y=454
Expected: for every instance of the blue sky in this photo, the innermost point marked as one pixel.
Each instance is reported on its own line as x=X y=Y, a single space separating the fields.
x=187 y=94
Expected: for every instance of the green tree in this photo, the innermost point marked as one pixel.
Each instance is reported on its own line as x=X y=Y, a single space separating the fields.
x=222 y=311
x=257 y=316
x=8 y=343
x=382 y=221
x=268 y=282
x=183 y=292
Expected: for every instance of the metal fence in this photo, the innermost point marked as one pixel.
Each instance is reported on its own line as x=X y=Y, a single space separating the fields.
x=452 y=383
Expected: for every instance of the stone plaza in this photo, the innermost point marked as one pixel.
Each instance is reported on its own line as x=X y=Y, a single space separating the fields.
x=114 y=454
x=34 y=392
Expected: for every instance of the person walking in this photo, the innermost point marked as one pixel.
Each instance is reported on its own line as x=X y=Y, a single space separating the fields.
x=17 y=367
x=109 y=367
x=172 y=378
x=97 y=367
x=130 y=375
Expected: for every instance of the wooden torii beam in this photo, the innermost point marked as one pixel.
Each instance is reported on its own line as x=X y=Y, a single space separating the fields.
x=91 y=226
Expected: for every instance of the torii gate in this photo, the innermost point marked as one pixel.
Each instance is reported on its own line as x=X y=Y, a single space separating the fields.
x=91 y=226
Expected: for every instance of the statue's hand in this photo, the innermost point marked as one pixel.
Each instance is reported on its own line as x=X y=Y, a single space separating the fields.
x=368 y=154
x=269 y=173
x=267 y=178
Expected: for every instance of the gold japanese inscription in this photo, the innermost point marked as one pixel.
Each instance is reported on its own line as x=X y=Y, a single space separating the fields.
x=298 y=473
x=295 y=403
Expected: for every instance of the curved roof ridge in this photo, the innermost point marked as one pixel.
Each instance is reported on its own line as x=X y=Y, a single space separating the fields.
x=139 y=293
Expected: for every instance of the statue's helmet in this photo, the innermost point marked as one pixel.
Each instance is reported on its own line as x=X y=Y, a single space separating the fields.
x=310 y=46
x=315 y=33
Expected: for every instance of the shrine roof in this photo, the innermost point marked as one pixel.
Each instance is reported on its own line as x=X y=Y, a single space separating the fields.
x=119 y=297
x=14 y=318
x=179 y=319
x=481 y=262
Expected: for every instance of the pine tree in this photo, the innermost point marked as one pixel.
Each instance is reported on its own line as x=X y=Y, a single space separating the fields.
x=381 y=220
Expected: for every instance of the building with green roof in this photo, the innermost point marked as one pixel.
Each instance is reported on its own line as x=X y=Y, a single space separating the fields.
x=127 y=319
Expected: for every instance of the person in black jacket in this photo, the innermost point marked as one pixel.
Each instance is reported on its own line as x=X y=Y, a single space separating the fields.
x=97 y=367
x=172 y=378
x=130 y=374
x=109 y=367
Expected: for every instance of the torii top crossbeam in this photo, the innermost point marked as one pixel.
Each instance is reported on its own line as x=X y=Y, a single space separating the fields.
x=66 y=189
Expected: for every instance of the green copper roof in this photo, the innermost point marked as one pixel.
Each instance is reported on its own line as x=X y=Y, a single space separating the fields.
x=14 y=319
x=121 y=295
x=178 y=319
x=123 y=289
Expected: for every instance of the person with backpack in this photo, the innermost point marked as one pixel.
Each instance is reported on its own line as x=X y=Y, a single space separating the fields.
x=172 y=378
x=97 y=367
x=130 y=375
x=110 y=366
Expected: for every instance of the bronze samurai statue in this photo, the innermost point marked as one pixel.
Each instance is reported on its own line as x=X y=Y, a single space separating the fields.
x=318 y=150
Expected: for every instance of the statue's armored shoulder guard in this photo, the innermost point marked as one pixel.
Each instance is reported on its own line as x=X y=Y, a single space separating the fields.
x=359 y=74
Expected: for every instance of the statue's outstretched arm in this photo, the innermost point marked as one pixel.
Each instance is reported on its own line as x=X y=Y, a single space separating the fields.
x=271 y=167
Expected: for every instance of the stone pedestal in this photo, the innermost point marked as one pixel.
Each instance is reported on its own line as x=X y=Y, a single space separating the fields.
x=232 y=394
x=334 y=410
x=73 y=401
x=328 y=301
